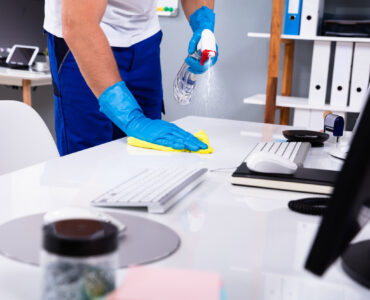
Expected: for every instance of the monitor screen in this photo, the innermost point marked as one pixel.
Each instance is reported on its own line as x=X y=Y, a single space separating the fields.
x=348 y=211
x=22 y=56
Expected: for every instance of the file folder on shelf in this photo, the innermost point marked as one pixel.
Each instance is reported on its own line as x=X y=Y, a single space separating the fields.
x=360 y=75
x=293 y=17
x=312 y=13
x=341 y=74
x=319 y=72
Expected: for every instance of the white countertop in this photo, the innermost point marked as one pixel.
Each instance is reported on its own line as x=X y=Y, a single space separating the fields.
x=248 y=235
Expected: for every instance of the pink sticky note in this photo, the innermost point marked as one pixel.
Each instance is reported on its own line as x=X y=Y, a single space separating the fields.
x=143 y=283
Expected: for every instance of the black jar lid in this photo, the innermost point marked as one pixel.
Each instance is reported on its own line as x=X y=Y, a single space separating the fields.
x=80 y=237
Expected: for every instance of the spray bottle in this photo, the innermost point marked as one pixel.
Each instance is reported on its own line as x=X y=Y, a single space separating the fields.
x=185 y=80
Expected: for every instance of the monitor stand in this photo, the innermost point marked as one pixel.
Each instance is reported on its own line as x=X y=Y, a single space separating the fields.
x=340 y=152
x=356 y=262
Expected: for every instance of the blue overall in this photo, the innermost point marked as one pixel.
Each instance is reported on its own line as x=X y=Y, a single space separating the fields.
x=78 y=122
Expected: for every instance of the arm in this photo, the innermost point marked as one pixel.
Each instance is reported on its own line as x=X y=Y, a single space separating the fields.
x=201 y=17
x=190 y=6
x=88 y=43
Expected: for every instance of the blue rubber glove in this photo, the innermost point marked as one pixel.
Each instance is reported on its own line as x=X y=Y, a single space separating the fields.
x=202 y=18
x=119 y=105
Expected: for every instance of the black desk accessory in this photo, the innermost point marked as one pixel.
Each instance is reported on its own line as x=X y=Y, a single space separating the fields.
x=316 y=138
x=304 y=180
x=309 y=206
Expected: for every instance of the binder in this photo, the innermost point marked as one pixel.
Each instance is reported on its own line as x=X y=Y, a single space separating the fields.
x=316 y=120
x=301 y=118
x=312 y=12
x=319 y=72
x=360 y=75
x=293 y=17
x=341 y=74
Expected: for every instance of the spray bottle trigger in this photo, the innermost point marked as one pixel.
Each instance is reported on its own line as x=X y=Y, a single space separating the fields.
x=207 y=54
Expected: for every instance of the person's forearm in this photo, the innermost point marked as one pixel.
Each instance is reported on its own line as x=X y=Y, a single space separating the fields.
x=91 y=50
x=190 y=6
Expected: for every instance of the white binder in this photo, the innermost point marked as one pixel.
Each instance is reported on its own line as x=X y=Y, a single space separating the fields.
x=360 y=75
x=319 y=72
x=316 y=120
x=312 y=12
x=341 y=74
x=301 y=118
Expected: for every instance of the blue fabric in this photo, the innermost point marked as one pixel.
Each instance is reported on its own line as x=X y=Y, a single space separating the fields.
x=203 y=18
x=79 y=124
x=118 y=103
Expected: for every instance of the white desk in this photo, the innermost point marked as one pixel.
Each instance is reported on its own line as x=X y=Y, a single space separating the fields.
x=246 y=234
x=25 y=79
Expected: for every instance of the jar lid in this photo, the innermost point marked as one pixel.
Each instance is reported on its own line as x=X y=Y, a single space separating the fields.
x=80 y=237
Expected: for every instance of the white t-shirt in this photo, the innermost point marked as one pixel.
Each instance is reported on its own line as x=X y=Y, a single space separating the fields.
x=125 y=22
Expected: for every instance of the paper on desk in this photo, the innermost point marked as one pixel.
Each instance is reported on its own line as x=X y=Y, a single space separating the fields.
x=143 y=283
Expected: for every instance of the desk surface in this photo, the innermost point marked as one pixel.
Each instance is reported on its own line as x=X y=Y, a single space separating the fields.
x=14 y=77
x=246 y=234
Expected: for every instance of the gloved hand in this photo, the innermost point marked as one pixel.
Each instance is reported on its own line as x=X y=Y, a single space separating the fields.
x=202 y=18
x=119 y=105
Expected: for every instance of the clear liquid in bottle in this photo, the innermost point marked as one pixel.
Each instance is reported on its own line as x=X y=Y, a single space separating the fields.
x=184 y=85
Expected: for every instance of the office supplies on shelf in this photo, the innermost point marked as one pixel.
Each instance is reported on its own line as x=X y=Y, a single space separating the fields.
x=145 y=283
x=315 y=138
x=312 y=14
x=277 y=157
x=360 y=74
x=319 y=73
x=293 y=17
x=309 y=206
x=341 y=74
x=345 y=26
x=154 y=189
x=334 y=124
x=305 y=180
x=142 y=144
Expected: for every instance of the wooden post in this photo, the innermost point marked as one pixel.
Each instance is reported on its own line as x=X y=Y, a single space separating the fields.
x=26 y=90
x=274 y=55
x=287 y=79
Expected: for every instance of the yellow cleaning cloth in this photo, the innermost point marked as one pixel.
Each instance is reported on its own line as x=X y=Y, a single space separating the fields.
x=142 y=144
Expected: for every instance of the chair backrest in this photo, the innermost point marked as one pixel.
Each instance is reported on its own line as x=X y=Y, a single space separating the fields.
x=24 y=138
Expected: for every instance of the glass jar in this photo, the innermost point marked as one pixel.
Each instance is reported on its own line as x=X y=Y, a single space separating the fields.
x=79 y=259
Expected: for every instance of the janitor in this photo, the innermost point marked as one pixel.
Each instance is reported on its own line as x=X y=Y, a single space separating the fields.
x=105 y=65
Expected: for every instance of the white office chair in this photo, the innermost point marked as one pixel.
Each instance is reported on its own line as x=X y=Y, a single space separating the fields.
x=24 y=138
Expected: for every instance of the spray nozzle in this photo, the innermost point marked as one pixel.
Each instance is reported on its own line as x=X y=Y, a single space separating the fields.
x=207 y=46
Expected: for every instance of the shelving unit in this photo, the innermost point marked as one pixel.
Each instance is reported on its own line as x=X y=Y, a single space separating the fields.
x=285 y=102
x=311 y=38
x=296 y=102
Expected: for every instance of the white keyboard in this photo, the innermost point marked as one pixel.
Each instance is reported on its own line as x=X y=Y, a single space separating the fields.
x=155 y=189
x=277 y=157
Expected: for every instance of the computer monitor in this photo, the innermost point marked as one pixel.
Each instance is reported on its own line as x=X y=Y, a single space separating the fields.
x=348 y=211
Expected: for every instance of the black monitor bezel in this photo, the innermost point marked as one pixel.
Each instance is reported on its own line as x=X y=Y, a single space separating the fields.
x=340 y=224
